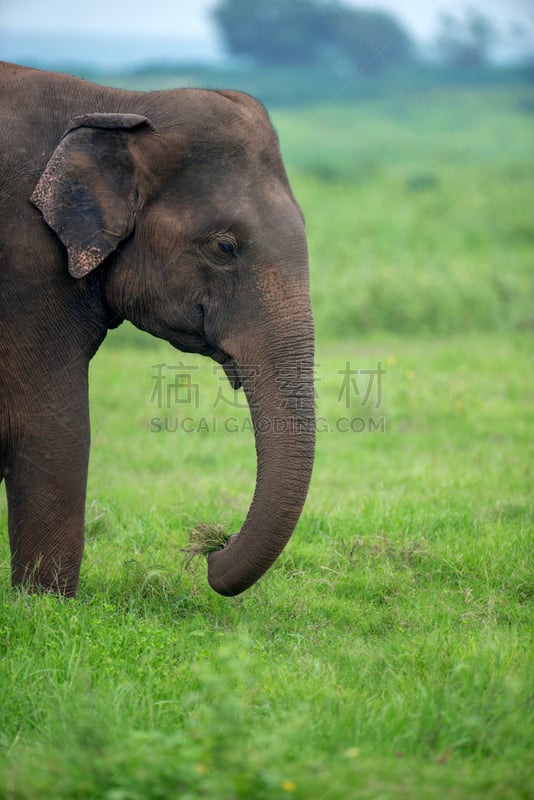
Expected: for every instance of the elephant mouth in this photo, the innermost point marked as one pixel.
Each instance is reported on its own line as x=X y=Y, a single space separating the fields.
x=229 y=364
x=193 y=343
x=230 y=367
x=231 y=372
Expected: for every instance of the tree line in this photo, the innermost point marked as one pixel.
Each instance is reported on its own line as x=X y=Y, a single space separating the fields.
x=313 y=32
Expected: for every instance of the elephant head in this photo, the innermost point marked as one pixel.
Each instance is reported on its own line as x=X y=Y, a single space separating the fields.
x=182 y=214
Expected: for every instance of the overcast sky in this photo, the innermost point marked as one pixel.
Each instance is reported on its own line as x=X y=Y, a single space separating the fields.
x=37 y=24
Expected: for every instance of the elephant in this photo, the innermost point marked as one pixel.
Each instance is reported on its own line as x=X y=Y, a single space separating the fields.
x=172 y=210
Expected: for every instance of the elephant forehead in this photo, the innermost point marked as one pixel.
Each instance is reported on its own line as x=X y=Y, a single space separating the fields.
x=217 y=150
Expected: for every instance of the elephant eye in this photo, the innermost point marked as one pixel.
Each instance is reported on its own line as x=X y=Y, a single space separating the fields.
x=221 y=249
x=228 y=247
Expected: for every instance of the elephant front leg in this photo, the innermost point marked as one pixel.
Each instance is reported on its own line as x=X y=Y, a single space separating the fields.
x=46 y=485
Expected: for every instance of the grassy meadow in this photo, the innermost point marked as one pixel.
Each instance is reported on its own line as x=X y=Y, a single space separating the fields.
x=389 y=651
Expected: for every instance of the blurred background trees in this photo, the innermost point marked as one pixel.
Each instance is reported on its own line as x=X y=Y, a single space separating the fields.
x=465 y=41
x=370 y=41
x=274 y=32
x=314 y=32
x=311 y=32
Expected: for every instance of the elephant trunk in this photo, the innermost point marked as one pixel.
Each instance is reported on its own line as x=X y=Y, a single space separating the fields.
x=281 y=398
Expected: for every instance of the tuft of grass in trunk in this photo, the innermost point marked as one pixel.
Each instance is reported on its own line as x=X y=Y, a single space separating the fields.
x=204 y=539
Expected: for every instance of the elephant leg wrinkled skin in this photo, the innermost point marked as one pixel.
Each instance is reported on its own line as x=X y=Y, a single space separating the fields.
x=46 y=495
x=45 y=473
x=171 y=210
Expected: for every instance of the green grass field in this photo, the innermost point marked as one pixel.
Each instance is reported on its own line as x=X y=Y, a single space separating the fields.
x=389 y=651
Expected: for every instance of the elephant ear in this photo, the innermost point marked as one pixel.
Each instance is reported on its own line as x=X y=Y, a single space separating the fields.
x=88 y=192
